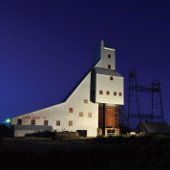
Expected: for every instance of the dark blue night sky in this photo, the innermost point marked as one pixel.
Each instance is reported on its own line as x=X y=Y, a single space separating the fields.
x=47 y=46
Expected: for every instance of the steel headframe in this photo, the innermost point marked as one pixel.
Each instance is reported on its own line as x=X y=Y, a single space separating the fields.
x=134 y=103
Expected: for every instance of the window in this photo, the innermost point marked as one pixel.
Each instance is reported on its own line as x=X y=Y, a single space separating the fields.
x=120 y=94
x=70 y=123
x=115 y=93
x=111 y=78
x=107 y=92
x=46 y=122
x=70 y=110
x=101 y=92
x=109 y=66
x=109 y=55
x=19 y=121
x=80 y=114
x=89 y=114
x=33 y=122
x=57 y=122
x=85 y=100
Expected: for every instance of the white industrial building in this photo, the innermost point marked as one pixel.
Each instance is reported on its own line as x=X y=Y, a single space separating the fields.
x=92 y=107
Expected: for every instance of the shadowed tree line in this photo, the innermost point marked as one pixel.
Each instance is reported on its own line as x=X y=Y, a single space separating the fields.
x=6 y=131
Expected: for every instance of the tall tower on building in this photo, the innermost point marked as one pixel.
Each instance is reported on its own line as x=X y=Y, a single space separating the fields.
x=107 y=89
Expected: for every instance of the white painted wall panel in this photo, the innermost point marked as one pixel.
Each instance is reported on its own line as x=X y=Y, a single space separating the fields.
x=61 y=112
x=104 y=83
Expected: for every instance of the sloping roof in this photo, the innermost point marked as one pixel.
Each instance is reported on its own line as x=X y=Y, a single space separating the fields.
x=154 y=127
x=107 y=72
x=97 y=70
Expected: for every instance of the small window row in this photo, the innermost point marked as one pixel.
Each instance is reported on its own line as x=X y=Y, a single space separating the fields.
x=33 y=122
x=81 y=113
x=89 y=114
x=58 y=123
x=108 y=93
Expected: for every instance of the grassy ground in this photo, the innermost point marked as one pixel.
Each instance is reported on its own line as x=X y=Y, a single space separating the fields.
x=117 y=153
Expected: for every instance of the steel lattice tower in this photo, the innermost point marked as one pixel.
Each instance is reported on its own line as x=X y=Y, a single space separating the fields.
x=134 y=105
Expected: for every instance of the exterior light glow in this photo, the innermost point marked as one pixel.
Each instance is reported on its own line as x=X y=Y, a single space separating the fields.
x=7 y=121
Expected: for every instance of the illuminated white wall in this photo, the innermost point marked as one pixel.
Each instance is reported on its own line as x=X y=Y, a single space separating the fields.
x=76 y=101
x=61 y=112
x=112 y=90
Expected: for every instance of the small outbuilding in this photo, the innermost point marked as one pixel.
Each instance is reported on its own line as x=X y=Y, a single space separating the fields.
x=149 y=128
